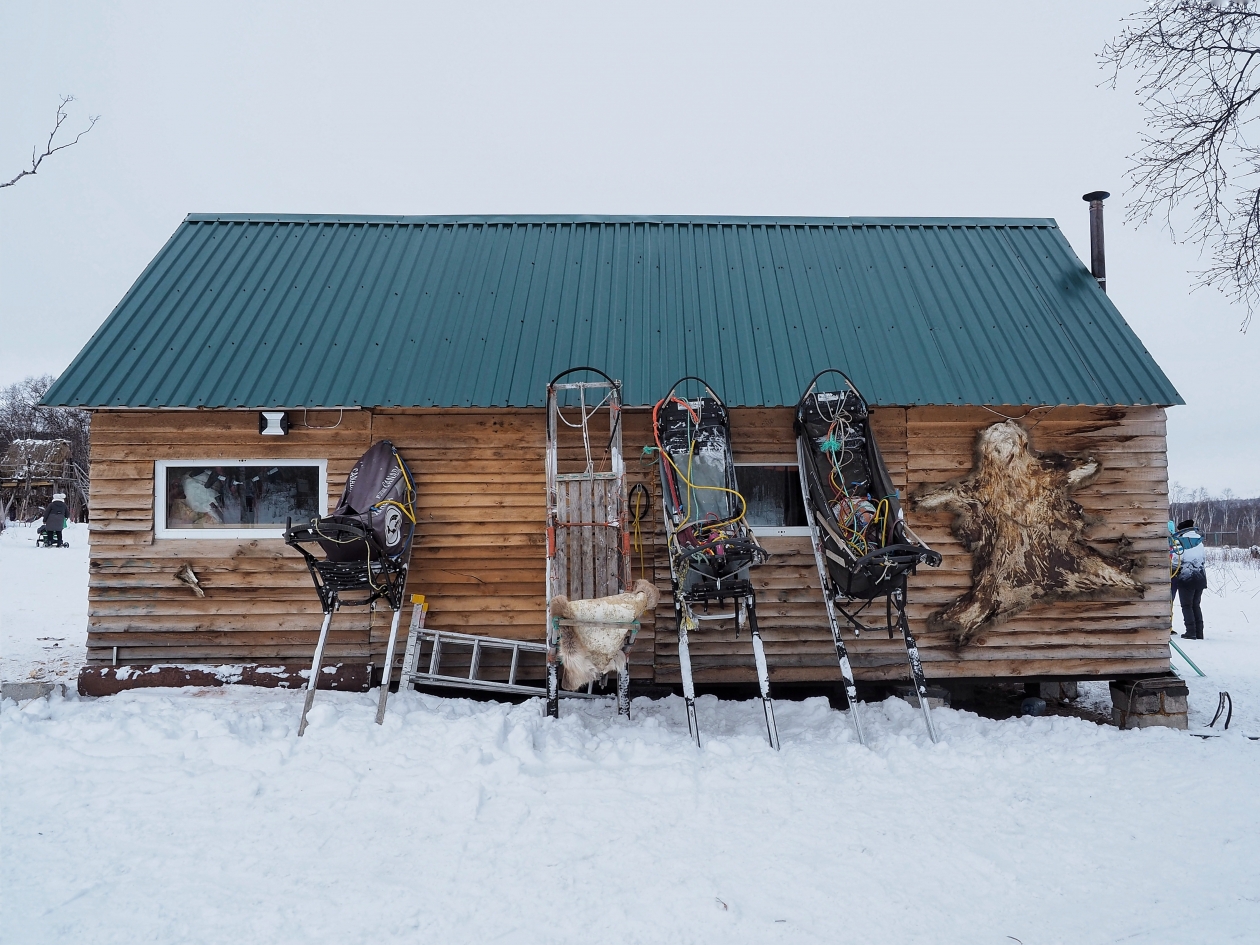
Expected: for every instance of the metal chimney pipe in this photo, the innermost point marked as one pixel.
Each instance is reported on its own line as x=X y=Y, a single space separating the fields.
x=1097 y=258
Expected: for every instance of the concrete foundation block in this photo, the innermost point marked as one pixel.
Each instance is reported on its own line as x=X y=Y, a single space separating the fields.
x=938 y=697
x=1176 y=704
x=1166 y=720
x=25 y=691
x=1146 y=703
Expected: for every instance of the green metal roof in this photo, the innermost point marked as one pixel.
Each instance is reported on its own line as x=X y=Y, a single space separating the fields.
x=332 y=311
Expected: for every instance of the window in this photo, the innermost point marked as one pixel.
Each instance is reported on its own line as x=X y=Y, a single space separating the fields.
x=218 y=498
x=773 y=494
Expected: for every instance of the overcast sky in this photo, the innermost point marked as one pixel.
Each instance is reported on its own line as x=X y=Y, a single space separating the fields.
x=829 y=109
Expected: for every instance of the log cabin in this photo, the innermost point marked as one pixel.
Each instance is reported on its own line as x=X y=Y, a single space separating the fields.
x=441 y=333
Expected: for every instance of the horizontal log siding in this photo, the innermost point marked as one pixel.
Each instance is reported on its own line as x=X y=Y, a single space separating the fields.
x=928 y=445
x=260 y=605
x=478 y=556
x=1127 y=504
x=479 y=551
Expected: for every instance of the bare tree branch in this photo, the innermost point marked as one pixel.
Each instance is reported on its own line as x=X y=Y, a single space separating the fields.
x=1197 y=64
x=36 y=158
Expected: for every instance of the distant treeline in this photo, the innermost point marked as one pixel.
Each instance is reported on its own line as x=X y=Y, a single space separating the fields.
x=1223 y=520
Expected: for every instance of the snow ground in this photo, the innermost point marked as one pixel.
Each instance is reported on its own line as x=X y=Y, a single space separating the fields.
x=197 y=816
x=43 y=629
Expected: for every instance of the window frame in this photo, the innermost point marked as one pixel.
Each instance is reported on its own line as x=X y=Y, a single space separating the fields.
x=160 y=467
x=782 y=531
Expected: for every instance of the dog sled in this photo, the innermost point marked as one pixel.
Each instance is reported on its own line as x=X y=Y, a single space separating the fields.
x=863 y=547
x=711 y=547
x=362 y=549
x=593 y=610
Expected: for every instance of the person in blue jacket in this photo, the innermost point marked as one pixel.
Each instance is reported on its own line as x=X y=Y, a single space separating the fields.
x=1190 y=576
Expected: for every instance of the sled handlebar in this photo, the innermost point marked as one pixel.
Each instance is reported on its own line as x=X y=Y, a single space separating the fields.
x=615 y=385
x=809 y=389
x=691 y=377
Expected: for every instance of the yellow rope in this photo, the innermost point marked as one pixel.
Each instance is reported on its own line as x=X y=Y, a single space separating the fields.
x=636 y=518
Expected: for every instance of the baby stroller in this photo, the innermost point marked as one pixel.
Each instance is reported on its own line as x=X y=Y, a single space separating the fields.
x=363 y=547
x=54 y=524
x=863 y=547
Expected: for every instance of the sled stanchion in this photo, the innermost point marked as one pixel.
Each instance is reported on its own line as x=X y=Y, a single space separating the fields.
x=623 y=691
x=388 y=673
x=763 y=675
x=314 y=680
x=916 y=665
x=820 y=561
x=552 y=708
x=689 y=687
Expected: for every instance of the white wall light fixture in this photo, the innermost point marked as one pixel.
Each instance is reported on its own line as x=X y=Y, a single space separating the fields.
x=273 y=422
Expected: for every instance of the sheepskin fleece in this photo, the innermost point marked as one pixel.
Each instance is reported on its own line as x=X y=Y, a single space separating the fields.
x=588 y=650
x=1025 y=534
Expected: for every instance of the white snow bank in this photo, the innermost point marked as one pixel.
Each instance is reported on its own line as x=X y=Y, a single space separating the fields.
x=196 y=815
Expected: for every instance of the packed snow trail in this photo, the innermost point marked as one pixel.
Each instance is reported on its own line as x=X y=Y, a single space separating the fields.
x=43 y=605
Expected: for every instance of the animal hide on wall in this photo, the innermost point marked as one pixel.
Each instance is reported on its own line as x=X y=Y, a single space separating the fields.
x=1014 y=514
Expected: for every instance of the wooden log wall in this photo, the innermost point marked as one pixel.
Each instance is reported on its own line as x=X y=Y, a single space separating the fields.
x=1106 y=636
x=479 y=552
x=260 y=605
x=478 y=555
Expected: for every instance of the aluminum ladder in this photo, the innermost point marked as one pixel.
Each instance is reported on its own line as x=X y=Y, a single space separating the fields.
x=439 y=642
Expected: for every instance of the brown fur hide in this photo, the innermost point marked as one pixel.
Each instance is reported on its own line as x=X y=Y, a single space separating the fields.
x=1025 y=535
x=595 y=646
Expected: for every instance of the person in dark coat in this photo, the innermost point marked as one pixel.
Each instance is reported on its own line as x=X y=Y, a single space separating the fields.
x=1174 y=558
x=55 y=519
x=1191 y=577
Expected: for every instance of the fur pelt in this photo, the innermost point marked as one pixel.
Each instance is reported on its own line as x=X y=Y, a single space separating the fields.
x=595 y=646
x=1025 y=534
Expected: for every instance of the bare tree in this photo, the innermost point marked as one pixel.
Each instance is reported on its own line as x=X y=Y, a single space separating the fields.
x=1197 y=64
x=22 y=418
x=49 y=149
x=1228 y=520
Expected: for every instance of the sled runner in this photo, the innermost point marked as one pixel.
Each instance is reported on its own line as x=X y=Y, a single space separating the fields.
x=711 y=547
x=362 y=548
x=592 y=610
x=863 y=547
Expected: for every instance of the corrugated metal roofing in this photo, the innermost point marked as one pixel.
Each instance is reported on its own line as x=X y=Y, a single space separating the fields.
x=330 y=311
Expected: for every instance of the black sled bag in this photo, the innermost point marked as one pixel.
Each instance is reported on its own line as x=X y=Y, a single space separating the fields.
x=377 y=511
x=852 y=496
